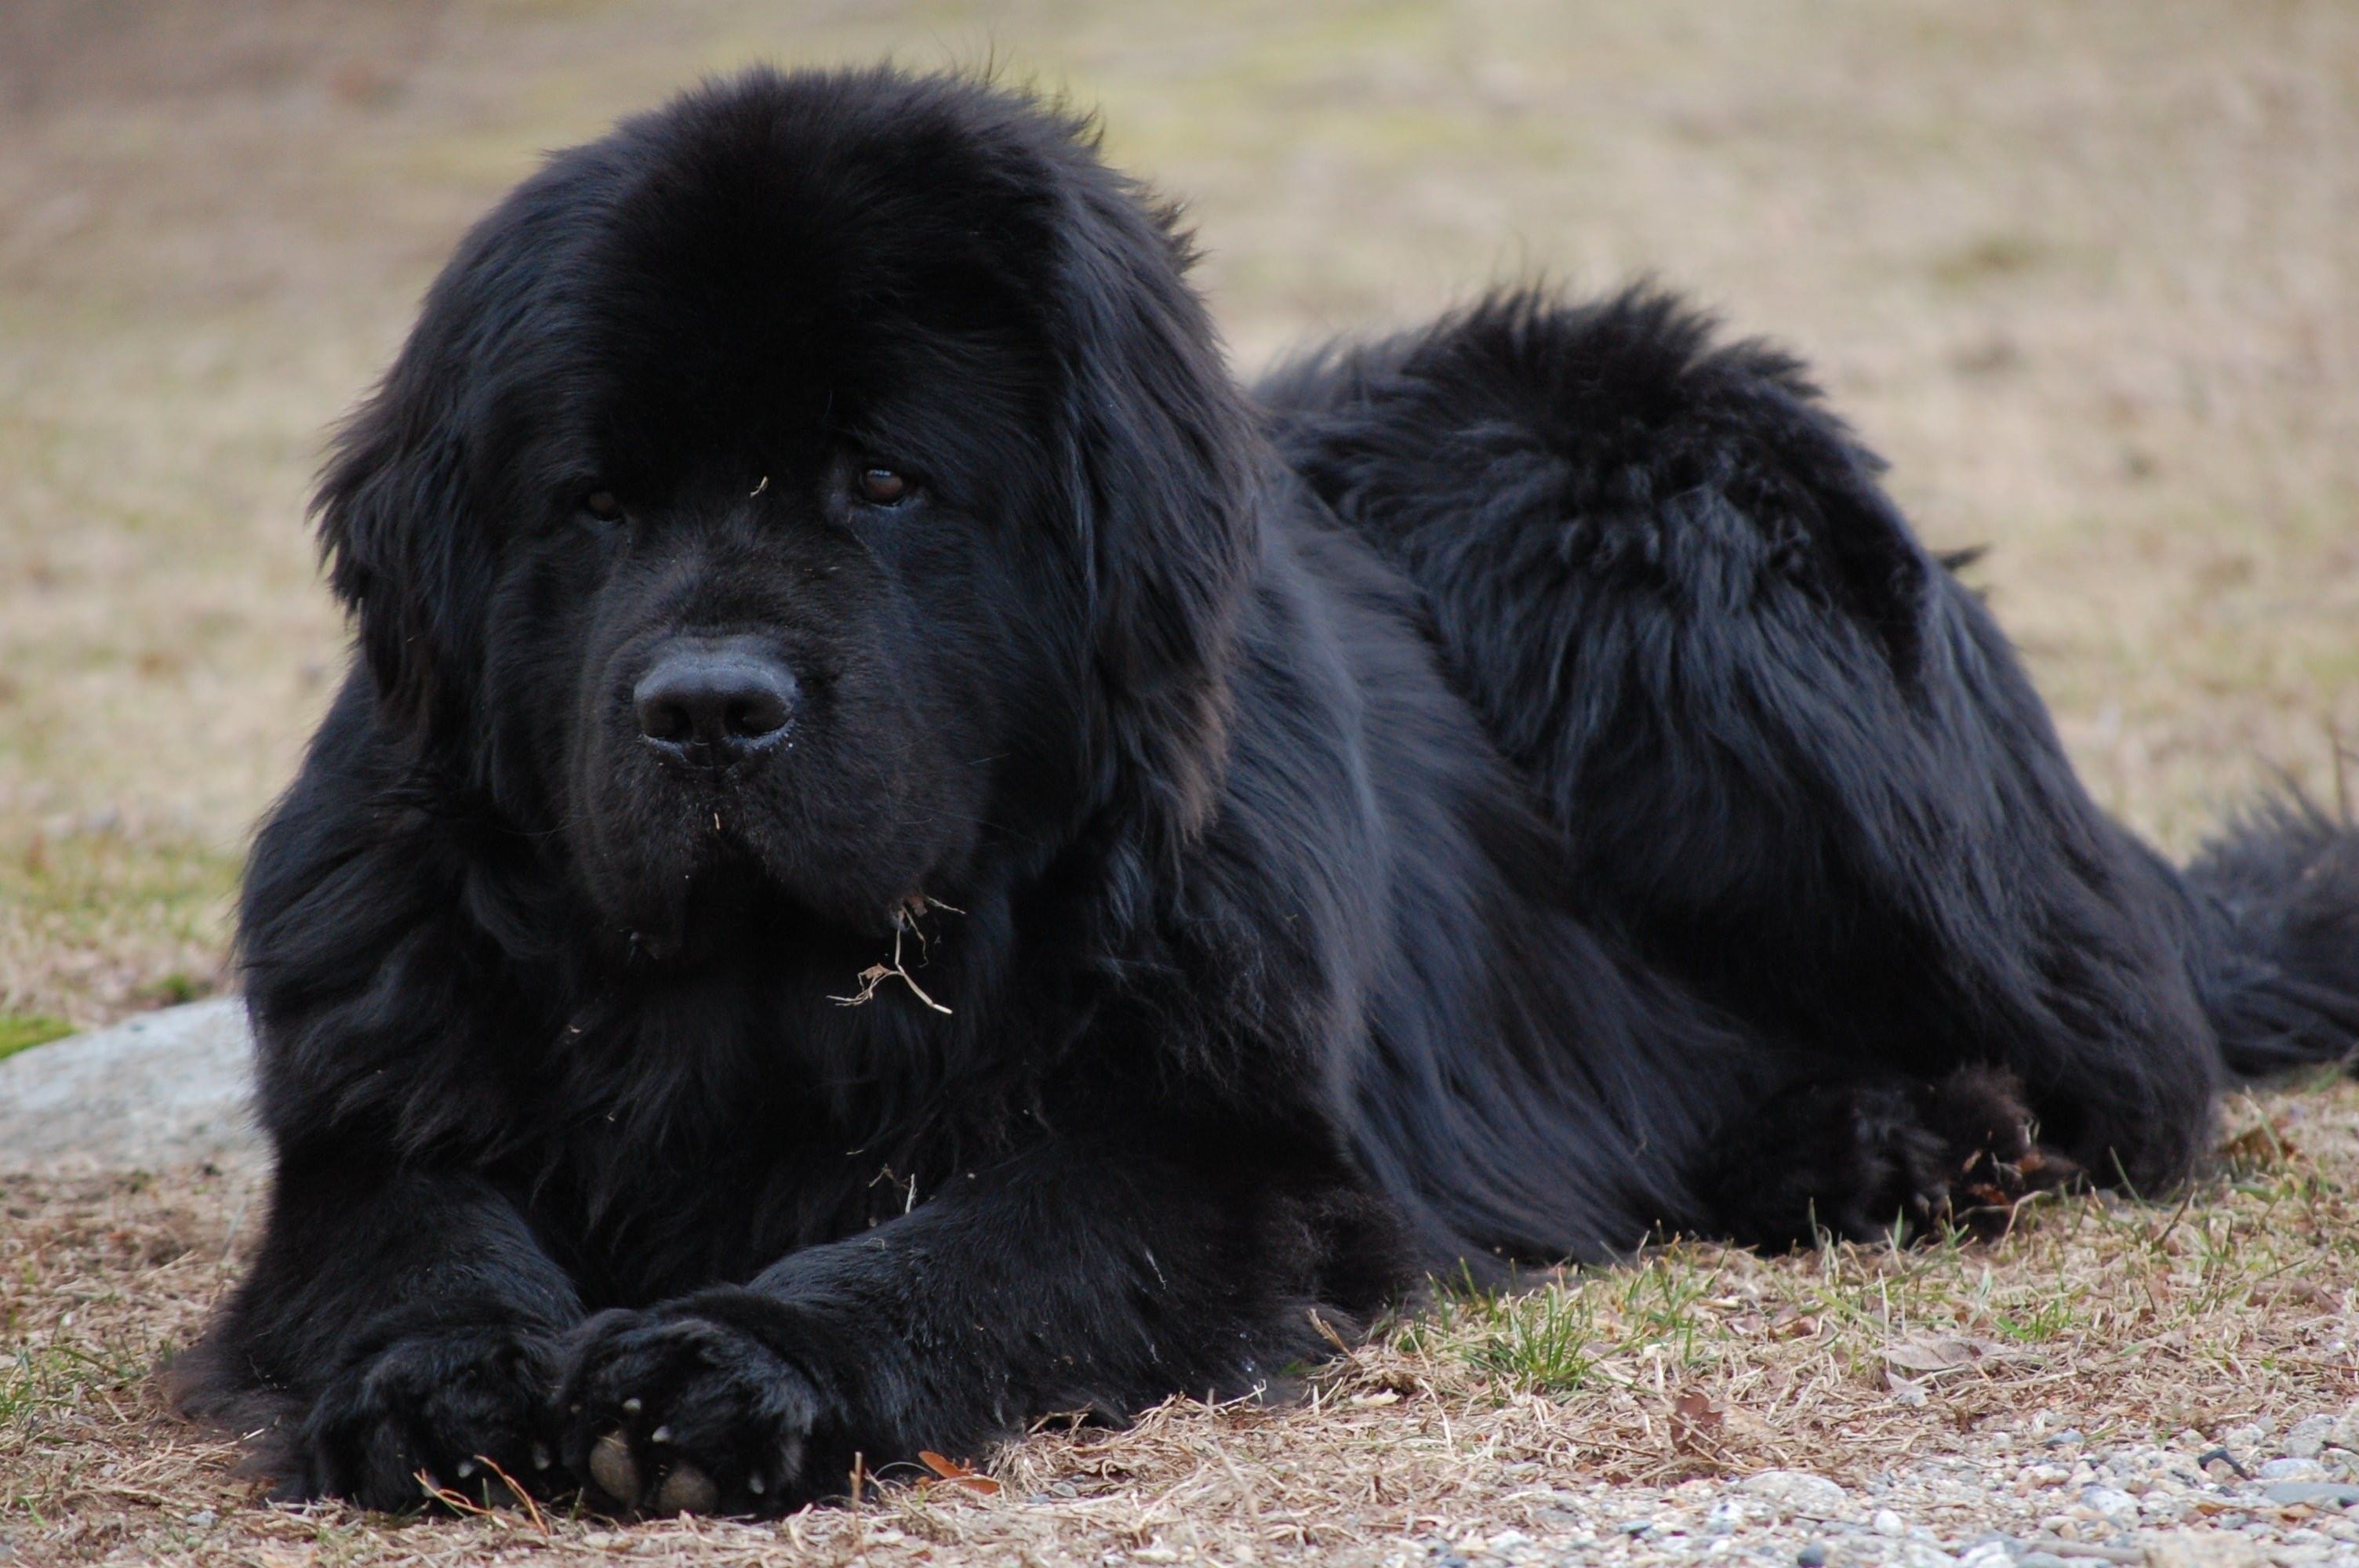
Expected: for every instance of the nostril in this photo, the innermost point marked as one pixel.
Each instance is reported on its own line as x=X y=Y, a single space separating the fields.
x=758 y=714
x=663 y=720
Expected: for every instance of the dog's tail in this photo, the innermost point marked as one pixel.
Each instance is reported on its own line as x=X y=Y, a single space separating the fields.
x=2279 y=962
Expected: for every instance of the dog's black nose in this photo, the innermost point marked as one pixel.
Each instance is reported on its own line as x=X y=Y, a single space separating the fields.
x=715 y=700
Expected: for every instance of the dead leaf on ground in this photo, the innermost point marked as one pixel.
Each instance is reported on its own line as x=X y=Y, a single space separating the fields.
x=957 y=1475
x=1696 y=1424
x=1942 y=1353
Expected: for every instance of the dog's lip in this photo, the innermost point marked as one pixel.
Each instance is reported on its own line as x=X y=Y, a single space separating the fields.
x=663 y=941
x=704 y=758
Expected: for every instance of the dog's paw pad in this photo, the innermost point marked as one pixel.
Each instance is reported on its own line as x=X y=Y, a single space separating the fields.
x=687 y=1490
x=673 y=1412
x=614 y=1470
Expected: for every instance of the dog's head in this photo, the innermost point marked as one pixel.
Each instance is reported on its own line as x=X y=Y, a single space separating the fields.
x=817 y=486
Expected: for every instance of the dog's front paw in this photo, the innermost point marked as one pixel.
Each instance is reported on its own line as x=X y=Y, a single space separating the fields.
x=458 y=1409
x=673 y=1411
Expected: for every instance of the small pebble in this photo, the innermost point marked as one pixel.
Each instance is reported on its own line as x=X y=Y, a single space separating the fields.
x=2293 y=1470
x=2065 y=1438
x=1921 y=1555
x=1813 y=1556
x=2310 y=1494
x=1795 y=1491
x=2309 y=1437
x=1886 y=1522
x=2111 y=1502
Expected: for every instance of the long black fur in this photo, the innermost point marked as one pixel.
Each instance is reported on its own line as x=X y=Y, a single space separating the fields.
x=1502 y=793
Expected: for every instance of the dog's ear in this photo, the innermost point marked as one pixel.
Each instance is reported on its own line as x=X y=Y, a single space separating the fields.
x=405 y=531
x=1168 y=474
x=393 y=525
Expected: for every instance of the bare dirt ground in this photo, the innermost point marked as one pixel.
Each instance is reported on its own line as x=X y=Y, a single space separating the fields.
x=2089 y=274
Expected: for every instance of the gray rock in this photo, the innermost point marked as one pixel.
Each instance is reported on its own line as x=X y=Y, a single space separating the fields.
x=1921 y=1555
x=2110 y=1501
x=2309 y=1437
x=2198 y=1549
x=2293 y=1470
x=1795 y=1492
x=2316 y=1494
x=1878 y=1552
x=161 y=1089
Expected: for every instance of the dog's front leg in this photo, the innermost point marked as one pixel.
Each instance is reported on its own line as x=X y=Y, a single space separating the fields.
x=1096 y=1276
x=398 y=1323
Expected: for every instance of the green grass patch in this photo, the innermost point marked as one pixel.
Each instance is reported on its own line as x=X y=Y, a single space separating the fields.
x=34 y=1379
x=1553 y=1340
x=23 y=1031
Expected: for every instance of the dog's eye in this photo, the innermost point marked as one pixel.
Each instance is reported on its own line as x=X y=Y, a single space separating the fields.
x=604 y=505
x=883 y=487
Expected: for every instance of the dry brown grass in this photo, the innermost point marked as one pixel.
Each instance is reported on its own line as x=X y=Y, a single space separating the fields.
x=2087 y=273
x=1552 y=1413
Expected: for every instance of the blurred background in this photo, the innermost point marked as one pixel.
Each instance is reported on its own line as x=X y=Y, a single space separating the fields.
x=2088 y=273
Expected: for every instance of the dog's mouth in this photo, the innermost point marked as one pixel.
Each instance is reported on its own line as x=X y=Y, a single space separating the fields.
x=718 y=878
x=716 y=903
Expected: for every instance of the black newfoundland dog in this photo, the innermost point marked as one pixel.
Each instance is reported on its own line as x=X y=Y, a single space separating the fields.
x=899 y=855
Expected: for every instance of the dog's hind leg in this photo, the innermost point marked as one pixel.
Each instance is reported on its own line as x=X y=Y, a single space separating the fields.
x=1794 y=759
x=1860 y=1157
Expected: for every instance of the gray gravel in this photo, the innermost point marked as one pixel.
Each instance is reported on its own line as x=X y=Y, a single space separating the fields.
x=2039 y=1496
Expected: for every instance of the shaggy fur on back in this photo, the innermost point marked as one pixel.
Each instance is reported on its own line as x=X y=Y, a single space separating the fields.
x=1204 y=863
